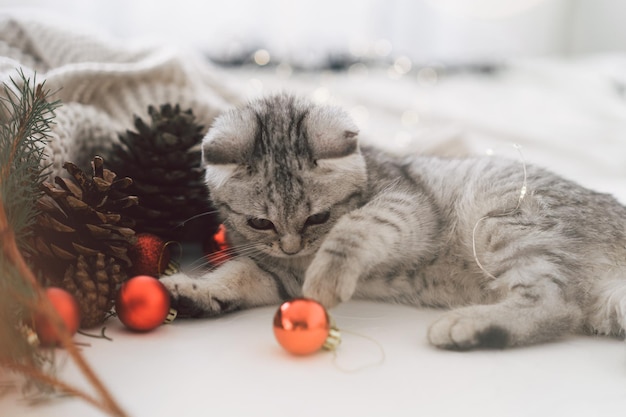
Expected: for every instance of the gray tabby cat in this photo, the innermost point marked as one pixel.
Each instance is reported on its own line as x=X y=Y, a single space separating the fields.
x=312 y=213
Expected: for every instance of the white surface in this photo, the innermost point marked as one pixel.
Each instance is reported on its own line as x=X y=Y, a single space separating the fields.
x=233 y=367
x=565 y=115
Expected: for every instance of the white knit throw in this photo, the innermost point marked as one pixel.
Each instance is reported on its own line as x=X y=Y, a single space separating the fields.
x=103 y=84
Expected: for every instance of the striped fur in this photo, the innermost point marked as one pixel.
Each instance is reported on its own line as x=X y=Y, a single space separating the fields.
x=312 y=213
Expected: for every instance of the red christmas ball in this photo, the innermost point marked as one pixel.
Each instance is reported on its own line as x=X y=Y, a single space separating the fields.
x=142 y=303
x=66 y=306
x=301 y=326
x=150 y=255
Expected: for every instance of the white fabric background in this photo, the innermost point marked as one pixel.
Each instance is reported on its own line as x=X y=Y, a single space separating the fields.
x=425 y=30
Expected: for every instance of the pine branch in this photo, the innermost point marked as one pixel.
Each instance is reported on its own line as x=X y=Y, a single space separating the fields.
x=43 y=306
x=26 y=117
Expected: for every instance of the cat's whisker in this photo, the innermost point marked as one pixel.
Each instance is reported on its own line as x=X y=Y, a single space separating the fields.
x=253 y=250
x=239 y=253
x=197 y=261
x=228 y=251
x=217 y=257
x=197 y=216
x=243 y=249
x=199 y=266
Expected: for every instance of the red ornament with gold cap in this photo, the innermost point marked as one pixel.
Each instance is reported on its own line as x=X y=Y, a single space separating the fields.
x=150 y=255
x=303 y=326
x=143 y=304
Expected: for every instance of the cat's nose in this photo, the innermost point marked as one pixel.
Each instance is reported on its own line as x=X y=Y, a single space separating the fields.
x=290 y=244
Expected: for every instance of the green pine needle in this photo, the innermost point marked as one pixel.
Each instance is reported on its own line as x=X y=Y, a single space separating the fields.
x=26 y=116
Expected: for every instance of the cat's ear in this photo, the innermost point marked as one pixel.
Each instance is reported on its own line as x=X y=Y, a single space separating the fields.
x=332 y=133
x=230 y=139
x=227 y=146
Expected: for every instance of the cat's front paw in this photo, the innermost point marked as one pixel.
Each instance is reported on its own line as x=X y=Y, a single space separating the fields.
x=193 y=297
x=330 y=279
x=460 y=330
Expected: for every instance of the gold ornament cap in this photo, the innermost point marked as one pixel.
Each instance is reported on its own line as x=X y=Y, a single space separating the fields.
x=171 y=316
x=333 y=340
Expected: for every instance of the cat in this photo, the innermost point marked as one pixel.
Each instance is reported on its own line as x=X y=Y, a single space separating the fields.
x=516 y=254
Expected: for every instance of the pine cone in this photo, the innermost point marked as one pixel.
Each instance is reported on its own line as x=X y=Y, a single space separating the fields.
x=82 y=237
x=93 y=281
x=164 y=160
x=81 y=216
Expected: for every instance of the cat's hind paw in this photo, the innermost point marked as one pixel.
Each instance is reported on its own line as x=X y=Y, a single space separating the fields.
x=456 y=331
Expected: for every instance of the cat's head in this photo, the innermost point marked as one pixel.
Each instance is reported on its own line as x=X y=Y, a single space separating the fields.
x=282 y=170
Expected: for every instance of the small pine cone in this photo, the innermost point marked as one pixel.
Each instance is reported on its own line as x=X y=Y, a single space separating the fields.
x=164 y=159
x=82 y=216
x=92 y=281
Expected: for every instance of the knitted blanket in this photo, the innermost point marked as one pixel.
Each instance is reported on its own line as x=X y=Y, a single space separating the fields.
x=102 y=83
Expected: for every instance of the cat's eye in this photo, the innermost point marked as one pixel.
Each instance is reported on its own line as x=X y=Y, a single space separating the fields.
x=318 y=218
x=260 y=224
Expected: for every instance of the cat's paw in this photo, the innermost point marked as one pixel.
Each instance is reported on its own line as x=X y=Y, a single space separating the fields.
x=195 y=297
x=330 y=279
x=459 y=330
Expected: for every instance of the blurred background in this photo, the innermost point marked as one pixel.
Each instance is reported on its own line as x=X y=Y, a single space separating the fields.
x=312 y=33
x=449 y=77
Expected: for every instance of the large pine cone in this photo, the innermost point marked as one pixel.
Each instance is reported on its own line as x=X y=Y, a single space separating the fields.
x=164 y=160
x=82 y=237
x=80 y=216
